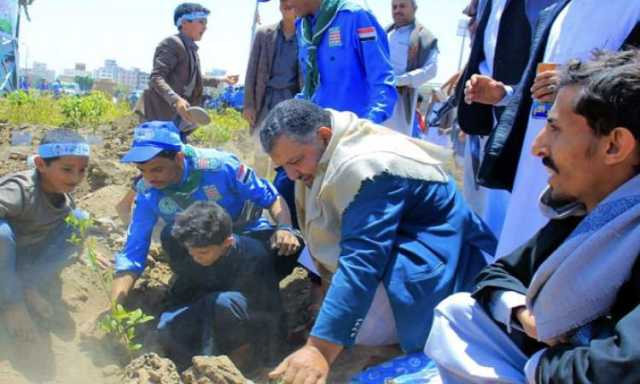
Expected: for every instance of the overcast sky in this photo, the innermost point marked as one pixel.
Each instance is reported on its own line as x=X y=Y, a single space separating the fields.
x=63 y=32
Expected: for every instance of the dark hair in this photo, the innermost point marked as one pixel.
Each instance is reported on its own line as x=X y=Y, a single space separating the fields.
x=203 y=224
x=186 y=8
x=294 y=118
x=609 y=95
x=61 y=136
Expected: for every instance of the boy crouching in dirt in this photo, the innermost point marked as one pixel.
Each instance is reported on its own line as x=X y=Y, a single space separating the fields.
x=33 y=232
x=225 y=298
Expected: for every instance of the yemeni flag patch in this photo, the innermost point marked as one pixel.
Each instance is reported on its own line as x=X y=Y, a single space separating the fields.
x=243 y=173
x=367 y=33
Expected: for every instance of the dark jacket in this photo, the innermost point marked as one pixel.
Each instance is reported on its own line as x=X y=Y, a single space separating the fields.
x=172 y=71
x=510 y=60
x=502 y=152
x=261 y=59
x=421 y=45
x=614 y=358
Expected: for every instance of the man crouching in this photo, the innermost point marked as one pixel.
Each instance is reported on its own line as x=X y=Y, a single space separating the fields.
x=385 y=225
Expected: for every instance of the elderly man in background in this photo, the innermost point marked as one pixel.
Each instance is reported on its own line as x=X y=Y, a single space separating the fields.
x=414 y=57
x=385 y=226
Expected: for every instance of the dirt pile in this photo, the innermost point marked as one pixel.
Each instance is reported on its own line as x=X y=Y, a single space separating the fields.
x=151 y=369
x=295 y=291
x=213 y=370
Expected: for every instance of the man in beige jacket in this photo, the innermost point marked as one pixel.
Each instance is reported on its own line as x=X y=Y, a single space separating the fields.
x=384 y=224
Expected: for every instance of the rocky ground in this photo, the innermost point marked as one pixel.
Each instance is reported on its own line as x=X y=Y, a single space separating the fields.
x=71 y=349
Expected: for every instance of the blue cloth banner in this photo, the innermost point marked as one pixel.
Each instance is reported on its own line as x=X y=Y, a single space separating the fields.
x=413 y=368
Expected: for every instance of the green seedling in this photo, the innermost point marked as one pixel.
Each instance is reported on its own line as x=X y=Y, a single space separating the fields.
x=118 y=321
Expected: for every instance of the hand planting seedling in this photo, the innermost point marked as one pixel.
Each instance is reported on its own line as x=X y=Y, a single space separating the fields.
x=118 y=321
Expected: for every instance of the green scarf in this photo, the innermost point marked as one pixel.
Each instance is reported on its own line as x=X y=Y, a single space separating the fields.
x=311 y=37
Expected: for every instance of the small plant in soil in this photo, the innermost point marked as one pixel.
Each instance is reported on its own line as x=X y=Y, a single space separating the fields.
x=118 y=321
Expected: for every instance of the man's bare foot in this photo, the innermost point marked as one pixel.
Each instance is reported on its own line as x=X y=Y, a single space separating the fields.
x=38 y=304
x=19 y=322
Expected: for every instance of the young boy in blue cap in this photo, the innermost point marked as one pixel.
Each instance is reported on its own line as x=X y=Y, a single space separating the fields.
x=33 y=235
x=175 y=175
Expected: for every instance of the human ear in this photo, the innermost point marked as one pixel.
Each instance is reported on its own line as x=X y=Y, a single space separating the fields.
x=621 y=145
x=325 y=134
x=40 y=164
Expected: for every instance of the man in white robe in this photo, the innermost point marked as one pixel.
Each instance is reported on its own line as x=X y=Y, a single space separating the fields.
x=570 y=30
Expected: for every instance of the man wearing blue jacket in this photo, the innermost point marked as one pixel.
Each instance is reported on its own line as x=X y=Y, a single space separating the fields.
x=344 y=54
x=176 y=175
x=387 y=230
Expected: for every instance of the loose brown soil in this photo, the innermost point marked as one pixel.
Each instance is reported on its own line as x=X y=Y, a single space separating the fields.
x=70 y=348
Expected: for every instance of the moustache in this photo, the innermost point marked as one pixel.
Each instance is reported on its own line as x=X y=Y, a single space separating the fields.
x=548 y=162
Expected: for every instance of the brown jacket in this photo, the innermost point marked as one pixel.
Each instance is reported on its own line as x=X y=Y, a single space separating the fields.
x=170 y=75
x=259 y=68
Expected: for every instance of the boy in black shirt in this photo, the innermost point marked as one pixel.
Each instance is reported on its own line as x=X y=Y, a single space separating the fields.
x=225 y=296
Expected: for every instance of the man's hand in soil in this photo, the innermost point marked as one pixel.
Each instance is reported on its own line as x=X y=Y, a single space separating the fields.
x=181 y=107
x=308 y=365
x=285 y=242
x=121 y=286
x=19 y=322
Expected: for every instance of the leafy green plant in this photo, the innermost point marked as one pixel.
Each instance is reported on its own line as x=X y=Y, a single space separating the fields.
x=118 y=322
x=89 y=110
x=123 y=323
x=225 y=126
x=30 y=108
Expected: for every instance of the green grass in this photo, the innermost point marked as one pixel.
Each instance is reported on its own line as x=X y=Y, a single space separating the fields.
x=36 y=108
x=225 y=126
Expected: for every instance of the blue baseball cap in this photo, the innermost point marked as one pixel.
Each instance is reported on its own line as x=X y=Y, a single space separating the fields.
x=151 y=138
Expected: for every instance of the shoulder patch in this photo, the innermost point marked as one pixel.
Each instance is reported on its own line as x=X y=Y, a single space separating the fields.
x=367 y=33
x=210 y=163
x=243 y=173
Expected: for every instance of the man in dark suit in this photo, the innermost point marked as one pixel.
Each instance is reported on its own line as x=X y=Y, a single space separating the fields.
x=273 y=73
x=176 y=82
x=499 y=54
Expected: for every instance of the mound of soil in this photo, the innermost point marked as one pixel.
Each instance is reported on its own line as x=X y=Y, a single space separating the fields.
x=151 y=369
x=213 y=370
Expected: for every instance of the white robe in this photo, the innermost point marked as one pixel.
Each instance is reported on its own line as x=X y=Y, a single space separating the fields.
x=582 y=27
x=399 y=40
x=489 y=204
